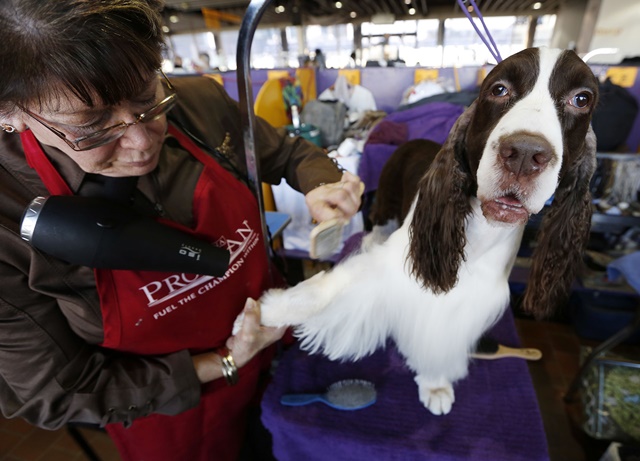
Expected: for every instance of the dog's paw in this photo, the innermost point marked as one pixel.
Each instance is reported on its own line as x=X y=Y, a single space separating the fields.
x=274 y=307
x=437 y=397
x=268 y=312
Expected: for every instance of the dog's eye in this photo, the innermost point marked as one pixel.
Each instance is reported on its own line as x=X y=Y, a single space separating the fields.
x=499 y=90
x=580 y=100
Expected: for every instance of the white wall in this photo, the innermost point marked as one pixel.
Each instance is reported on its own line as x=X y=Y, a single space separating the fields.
x=568 y=24
x=617 y=26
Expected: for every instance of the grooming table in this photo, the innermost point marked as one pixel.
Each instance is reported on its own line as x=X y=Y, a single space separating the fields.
x=495 y=416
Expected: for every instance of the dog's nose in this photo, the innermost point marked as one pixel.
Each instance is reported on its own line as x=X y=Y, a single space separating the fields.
x=524 y=153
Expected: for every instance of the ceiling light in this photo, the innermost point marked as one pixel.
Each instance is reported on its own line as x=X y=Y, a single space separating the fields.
x=279 y=9
x=537 y=5
x=338 y=5
x=470 y=9
x=353 y=14
x=166 y=29
x=407 y=2
x=173 y=18
x=412 y=11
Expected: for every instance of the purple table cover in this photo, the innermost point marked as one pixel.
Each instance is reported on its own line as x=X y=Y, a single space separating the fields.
x=495 y=416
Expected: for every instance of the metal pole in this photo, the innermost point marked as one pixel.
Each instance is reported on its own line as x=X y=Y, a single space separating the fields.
x=250 y=21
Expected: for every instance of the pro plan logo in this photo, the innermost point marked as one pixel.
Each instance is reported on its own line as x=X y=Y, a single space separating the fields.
x=177 y=290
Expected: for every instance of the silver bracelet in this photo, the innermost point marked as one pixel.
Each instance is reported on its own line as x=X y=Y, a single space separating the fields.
x=229 y=368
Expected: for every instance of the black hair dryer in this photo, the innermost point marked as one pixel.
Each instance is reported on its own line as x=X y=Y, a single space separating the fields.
x=103 y=233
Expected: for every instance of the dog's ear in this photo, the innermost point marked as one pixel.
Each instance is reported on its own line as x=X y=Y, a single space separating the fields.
x=437 y=229
x=562 y=237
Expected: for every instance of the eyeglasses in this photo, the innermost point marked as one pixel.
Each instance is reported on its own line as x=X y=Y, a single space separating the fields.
x=110 y=134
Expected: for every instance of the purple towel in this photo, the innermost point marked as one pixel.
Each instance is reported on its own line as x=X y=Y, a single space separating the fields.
x=431 y=121
x=495 y=416
x=388 y=132
x=350 y=246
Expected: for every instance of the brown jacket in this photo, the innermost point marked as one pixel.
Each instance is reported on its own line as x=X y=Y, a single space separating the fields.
x=51 y=368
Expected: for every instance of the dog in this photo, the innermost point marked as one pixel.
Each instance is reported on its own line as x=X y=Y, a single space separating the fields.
x=441 y=280
x=397 y=187
x=399 y=180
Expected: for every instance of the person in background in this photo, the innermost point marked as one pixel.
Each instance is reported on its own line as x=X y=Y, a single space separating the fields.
x=177 y=66
x=148 y=355
x=307 y=62
x=203 y=65
x=352 y=60
x=318 y=59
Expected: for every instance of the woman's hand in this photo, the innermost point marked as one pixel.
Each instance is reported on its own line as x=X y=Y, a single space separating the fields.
x=252 y=337
x=339 y=200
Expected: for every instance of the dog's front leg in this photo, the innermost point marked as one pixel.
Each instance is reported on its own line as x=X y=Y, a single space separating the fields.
x=294 y=305
x=435 y=394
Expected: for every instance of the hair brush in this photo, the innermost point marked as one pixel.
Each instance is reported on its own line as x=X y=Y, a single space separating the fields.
x=348 y=394
x=489 y=349
x=325 y=239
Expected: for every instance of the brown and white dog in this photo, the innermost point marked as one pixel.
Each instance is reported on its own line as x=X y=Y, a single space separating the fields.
x=438 y=282
x=398 y=184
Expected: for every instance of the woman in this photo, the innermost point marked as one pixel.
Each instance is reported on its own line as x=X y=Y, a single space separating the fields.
x=149 y=355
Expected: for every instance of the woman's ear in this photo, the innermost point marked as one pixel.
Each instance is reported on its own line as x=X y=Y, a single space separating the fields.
x=437 y=230
x=13 y=122
x=562 y=237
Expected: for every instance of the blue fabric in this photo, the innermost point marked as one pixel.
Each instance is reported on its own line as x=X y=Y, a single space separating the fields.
x=628 y=267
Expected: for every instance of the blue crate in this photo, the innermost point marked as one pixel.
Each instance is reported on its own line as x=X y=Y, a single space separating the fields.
x=598 y=315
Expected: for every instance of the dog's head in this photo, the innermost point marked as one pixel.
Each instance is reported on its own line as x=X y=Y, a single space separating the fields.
x=525 y=139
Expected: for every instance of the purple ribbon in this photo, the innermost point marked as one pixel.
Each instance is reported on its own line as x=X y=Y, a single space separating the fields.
x=494 y=51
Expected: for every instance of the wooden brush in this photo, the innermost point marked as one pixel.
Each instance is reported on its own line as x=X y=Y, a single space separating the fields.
x=325 y=239
x=489 y=349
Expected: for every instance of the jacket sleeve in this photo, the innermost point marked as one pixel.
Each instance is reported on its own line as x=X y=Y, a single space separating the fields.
x=213 y=113
x=50 y=376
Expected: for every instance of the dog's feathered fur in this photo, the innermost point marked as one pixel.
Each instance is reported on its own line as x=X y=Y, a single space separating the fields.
x=437 y=283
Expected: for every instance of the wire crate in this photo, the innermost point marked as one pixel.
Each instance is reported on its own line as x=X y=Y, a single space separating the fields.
x=611 y=397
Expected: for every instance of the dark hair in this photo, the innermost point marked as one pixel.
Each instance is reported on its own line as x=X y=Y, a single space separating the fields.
x=99 y=51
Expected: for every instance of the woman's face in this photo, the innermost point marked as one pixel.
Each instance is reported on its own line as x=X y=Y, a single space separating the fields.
x=134 y=154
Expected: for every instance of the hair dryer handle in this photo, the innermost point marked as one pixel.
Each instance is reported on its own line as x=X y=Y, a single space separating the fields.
x=100 y=233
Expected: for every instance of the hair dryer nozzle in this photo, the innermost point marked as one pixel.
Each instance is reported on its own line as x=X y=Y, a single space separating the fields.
x=30 y=217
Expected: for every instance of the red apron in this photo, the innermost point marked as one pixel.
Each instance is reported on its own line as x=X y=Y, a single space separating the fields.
x=157 y=313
